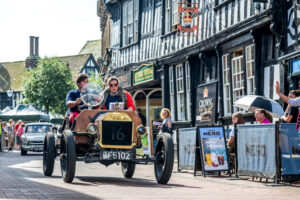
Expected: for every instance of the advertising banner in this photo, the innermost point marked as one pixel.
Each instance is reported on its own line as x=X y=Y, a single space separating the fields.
x=213 y=148
x=256 y=150
x=187 y=147
x=290 y=149
x=207 y=97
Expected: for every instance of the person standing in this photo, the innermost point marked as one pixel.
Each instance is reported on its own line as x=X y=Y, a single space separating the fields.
x=166 y=125
x=292 y=112
x=19 y=134
x=1 y=134
x=10 y=133
x=141 y=116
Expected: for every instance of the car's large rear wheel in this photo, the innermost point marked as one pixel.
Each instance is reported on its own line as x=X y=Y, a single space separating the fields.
x=67 y=156
x=164 y=155
x=128 y=169
x=49 y=154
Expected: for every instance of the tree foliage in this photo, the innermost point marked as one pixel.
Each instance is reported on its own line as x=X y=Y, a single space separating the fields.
x=47 y=85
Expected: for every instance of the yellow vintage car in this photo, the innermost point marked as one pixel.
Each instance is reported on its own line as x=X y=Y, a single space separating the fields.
x=106 y=137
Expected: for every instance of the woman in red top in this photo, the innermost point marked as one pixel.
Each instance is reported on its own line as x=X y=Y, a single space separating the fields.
x=20 y=132
x=115 y=93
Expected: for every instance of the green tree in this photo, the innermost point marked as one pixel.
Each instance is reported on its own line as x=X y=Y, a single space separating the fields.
x=47 y=85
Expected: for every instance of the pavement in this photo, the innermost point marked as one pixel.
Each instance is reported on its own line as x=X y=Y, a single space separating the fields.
x=21 y=177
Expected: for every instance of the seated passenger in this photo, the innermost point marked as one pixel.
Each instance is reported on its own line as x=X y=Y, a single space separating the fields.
x=73 y=99
x=115 y=93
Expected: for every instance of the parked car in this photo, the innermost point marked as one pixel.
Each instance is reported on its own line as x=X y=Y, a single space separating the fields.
x=33 y=137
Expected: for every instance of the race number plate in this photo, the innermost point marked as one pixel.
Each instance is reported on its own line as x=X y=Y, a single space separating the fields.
x=116 y=155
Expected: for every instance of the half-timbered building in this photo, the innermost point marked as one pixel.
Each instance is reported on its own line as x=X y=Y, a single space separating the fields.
x=237 y=44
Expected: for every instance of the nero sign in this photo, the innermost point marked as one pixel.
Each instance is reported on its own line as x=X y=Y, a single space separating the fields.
x=206 y=103
x=256 y=150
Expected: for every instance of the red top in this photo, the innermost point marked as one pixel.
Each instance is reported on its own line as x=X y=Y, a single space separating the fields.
x=20 y=131
x=130 y=103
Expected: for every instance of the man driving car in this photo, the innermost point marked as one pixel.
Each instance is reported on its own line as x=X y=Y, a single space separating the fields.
x=73 y=100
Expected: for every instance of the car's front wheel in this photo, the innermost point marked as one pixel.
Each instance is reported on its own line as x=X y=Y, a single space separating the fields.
x=23 y=152
x=67 y=156
x=128 y=169
x=164 y=155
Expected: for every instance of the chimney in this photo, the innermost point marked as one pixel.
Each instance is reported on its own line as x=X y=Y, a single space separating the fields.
x=31 y=46
x=36 y=52
x=31 y=61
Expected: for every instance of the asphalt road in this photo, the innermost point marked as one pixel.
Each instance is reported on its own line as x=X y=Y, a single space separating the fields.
x=21 y=177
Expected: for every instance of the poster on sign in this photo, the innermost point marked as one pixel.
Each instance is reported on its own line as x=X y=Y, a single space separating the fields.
x=207 y=95
x=213 y=148
x=186 y=148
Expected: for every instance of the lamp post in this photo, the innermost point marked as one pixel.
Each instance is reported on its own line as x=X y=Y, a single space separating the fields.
x=10 y=93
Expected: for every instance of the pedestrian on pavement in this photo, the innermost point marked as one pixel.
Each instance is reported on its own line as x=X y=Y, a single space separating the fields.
x=263 y=117
x=166 y=125
x=291 y=112
x=1 y=134
x=237 y=118
x=19 y=133
x=4 y=135
x=141 y=116
x=115 y=93
x=73 y=99
x=10 y=133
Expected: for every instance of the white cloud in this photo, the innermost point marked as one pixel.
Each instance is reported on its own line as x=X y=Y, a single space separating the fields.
x=62 y=25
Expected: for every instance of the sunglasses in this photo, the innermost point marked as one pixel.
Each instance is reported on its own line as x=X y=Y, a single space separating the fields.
x=113 y=85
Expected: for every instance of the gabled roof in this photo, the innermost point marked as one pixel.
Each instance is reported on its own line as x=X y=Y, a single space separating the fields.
x=75 y=63
x=10 y=75
x=93 y=47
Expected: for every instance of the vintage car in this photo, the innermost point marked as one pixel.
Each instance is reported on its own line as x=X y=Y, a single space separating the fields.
x=33 y=137
x=107 y=137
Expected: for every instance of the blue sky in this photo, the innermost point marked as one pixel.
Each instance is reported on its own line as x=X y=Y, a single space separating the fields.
x=62 y=25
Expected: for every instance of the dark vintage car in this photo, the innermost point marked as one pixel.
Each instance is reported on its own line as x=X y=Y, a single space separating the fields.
x=33 y=137
x=106 y=137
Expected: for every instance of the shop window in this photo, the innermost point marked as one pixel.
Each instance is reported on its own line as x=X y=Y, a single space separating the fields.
x=130 y=22
x=226 y=85
x=180 y=93
x=250 y=69
x=188 y=90
x=172 y=101
x=237 y=77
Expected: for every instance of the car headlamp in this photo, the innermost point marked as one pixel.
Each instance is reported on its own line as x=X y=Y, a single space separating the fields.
x=92 y=128
x=141 y=130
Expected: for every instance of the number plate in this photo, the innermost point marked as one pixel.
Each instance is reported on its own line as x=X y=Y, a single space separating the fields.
x=116 y=155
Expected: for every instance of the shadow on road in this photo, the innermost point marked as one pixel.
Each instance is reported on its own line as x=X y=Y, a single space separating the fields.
x=123 y=182
x=18 y=183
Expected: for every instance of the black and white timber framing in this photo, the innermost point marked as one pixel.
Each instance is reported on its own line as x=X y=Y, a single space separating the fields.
x=229 y=31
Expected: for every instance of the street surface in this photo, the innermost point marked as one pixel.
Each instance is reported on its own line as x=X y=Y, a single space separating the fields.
x=21 y=177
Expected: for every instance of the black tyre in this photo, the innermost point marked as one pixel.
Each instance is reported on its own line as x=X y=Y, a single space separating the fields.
x=49 y=154
x=164 y=155
x=67 y=156
x=23 y=152
x=128 y=169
